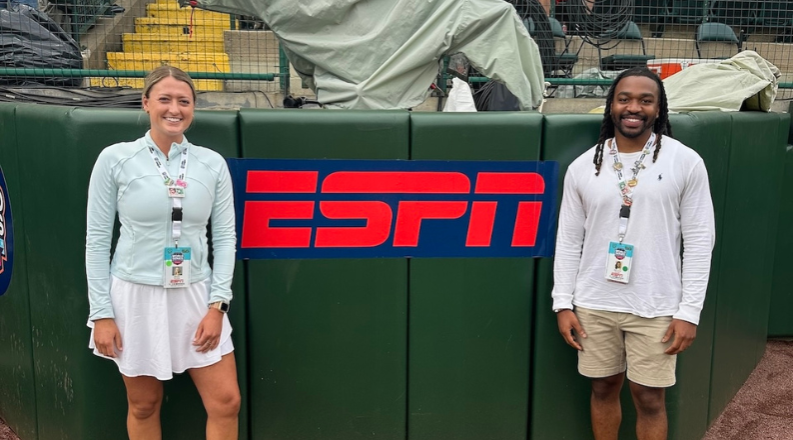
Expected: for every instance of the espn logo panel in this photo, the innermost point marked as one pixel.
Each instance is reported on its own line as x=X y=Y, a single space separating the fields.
x=376 y=208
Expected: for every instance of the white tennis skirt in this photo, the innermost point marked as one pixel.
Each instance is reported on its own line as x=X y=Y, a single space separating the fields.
x=157 y=327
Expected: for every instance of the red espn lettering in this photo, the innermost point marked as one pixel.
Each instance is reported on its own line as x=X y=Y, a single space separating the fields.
x=257 y=232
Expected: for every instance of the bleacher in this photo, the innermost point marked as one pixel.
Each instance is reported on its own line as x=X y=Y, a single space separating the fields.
x=684 y=29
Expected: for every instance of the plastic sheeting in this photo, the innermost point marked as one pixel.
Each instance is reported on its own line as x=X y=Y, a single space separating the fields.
x=384 y=54
x=746 y=81
x=29 y=39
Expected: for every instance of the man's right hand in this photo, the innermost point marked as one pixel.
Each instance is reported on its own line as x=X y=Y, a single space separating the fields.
x=107 y=337
x=568 y=323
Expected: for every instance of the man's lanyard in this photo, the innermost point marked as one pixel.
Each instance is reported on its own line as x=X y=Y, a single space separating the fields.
x=626 y=188
x=175 y=191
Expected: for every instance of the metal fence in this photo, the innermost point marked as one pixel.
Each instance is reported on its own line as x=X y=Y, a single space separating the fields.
x=591 y=39
x=118 y=44
x=580 y=41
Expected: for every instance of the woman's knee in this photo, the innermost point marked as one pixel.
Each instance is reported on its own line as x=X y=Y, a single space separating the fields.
x=144 y=396
x=225 y=404
x=143 y=407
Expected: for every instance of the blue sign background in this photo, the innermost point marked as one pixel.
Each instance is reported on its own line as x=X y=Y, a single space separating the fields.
x=438 y=238
x=7 y=244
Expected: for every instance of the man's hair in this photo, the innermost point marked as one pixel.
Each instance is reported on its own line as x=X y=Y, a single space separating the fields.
x=661 y=126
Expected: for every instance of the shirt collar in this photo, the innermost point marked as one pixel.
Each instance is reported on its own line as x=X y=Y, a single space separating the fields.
x=176 y=148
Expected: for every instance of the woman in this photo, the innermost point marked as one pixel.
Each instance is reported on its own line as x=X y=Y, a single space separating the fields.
x=150 y=318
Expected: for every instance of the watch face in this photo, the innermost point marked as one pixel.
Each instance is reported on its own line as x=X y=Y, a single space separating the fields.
x=224 y=307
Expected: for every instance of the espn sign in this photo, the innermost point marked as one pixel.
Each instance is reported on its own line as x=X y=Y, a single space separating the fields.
x=378 y=208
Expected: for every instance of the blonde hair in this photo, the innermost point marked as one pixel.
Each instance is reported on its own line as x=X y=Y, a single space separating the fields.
x=163 y=72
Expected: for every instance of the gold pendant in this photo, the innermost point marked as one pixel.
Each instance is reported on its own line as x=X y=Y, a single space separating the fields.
x=618 y=166
x=633 y=182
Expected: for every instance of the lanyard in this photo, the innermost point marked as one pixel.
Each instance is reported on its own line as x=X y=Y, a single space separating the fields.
x=626 y=187
x=180 y=184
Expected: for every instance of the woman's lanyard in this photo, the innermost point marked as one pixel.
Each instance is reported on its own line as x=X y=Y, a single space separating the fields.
x=626 y=188
x=176 y=190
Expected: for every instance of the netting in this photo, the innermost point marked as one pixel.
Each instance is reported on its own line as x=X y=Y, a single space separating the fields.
x=93 y=43
x=115 y=45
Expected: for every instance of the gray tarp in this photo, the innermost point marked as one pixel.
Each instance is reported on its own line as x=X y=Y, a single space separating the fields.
x=746 y=77
x=384 y=54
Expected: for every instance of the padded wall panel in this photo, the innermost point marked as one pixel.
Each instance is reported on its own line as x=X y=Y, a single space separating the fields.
x=470 y=319
x=751 y=214
x=560 y=396
x=17 y=389
x=328 y=337
x=779 y=322
x=79 y=395
x=708 y=133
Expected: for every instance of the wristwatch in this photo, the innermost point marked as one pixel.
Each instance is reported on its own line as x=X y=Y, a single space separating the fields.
x=221 y=306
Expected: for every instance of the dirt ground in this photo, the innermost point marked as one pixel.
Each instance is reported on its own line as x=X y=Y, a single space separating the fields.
x=6 y=433
x=762 y=409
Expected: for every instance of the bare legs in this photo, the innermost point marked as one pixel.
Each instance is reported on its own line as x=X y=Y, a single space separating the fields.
x=651 y=423
x=144 y=399
x=217 y=385
x=220 y=392
x=650 y=405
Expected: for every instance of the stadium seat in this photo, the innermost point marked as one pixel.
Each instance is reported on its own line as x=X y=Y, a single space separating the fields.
x=528 y=23
x=688 y=11
x=629 y=38
x=565 y=60
x=776 y=14
x=735 y=12
x=649 y=11
x=720 y=34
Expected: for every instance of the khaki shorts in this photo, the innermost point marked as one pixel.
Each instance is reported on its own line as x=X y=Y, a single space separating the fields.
x=616 y=340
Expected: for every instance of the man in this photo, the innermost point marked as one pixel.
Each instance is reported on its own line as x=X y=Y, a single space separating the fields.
x=644 y=193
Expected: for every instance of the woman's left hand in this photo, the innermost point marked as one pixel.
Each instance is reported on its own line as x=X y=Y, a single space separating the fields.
x=207 y=337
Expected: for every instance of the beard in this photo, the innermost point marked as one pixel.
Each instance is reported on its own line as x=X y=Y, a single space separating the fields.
x=630 y=132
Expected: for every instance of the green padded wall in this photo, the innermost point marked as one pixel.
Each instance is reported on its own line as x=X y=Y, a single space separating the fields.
x=470 y=319
x=687 y=402
x=756 y=164
x=80 y=396
x=560 y=396
x=328 y=337
x=779 y=322
x=17 y=389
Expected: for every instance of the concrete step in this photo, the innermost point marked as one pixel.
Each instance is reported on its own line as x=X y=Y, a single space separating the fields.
x=179 y=29
x=164 y=26
x=258 y=44
x=201 y=85
x=173 y=11
x=189 y=62
x=144 y=43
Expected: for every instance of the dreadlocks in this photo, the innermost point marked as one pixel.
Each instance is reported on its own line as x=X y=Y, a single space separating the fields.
x=661 y=126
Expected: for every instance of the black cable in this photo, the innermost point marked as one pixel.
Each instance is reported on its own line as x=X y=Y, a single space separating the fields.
x=600 y=25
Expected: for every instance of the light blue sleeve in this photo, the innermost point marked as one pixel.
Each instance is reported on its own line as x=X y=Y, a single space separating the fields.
x=101 y=213
x=224 y=237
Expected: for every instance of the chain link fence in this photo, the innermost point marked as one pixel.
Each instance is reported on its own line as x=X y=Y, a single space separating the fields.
x=116 y=44
x=98 y=43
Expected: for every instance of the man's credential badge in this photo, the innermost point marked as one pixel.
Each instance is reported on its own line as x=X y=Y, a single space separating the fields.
x=619 y=262
x=6 y=237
